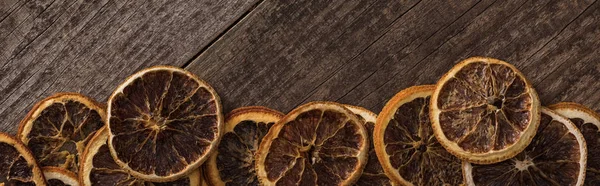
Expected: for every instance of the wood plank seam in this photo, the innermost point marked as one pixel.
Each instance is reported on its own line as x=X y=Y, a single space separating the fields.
x=2 y=37
x=563 y=29
x=329 y=44
x=140 y=64
x=12 y=10
x=336 y=37
x=24 y=34
x=214 y=40
x=16 y=53
x=55 y=51
x=29 y=15
x=554 y=37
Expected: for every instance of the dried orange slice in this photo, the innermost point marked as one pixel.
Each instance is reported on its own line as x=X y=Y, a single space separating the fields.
x=406 y=146
x=556 y=156
x=163 y=123
x=17 y=164
x=588 y=122
x=484 y=110
x=319 y=143
x=60 y=176
x=58 y=128
x=99 y=168
x=233 y=163
x=373 y=173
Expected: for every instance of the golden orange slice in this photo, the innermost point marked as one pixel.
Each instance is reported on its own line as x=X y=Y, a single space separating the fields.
x=99 y=168
x=233 y=163
x=556 y=156
x=588 y=122
x=17 y=164
x=319 y=143
x=406 y=145
x=58 y=128
x=373 y=173
x=163 y=123
x=484 y=110
x=56 y=176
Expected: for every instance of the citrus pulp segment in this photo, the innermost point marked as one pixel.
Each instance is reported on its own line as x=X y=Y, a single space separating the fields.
x=588 y=122
x=406 y=146
x=484 y=110
x=556 y=156
x=58 y=128
x=233 y=163
x=17 y=164
x=163 y=123
x=319 y=143
x=99 y=168
x=373 y=173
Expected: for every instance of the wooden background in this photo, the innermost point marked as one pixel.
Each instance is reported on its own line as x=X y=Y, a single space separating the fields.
x=281 y=54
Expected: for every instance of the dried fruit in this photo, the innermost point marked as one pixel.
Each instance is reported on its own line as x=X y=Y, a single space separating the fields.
x=233 y=163
x=588 y=122
x=406 y=146
x=17 y=164
x=99 y=168
x=57 y=176
x=319 y=143
x=58 y=128
x=484 y=110
x=163 y=123
x=373 y=173
x=556 y=156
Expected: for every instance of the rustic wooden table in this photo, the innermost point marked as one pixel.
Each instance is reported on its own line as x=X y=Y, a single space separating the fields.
x=284 y=53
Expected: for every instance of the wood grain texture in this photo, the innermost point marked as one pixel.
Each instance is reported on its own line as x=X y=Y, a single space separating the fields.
x=90 y=46
x=282 y=50
x=364 y=52
x=281 y=54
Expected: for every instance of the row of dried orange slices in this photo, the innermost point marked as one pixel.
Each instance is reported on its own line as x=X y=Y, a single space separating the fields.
x=163 y=123
x=158 y=127
x=482 y=124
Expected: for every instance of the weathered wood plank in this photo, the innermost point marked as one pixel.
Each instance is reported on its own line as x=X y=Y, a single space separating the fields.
x=91 y=46
x=283 y=54
x=578 y=77
x=6 y=7
x=508 y=36
x=283 y=50
x=399 y=51
x=281 y=57
x=26 y=20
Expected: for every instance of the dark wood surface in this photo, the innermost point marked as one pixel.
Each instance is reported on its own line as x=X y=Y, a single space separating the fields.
x=281 y=54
